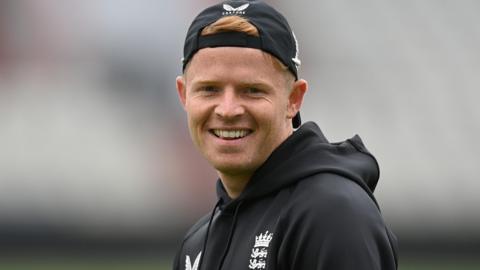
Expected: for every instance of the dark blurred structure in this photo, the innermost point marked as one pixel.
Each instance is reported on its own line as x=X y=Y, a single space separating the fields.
x=95 y=156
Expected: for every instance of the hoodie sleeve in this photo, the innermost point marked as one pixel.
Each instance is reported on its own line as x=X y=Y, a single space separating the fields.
x=334 y=225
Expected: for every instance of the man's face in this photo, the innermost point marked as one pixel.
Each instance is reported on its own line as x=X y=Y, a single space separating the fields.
x=239 y=106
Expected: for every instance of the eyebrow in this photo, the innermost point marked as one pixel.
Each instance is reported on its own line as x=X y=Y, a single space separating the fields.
x=257 y=85
x=260 y=84
x=196 y=82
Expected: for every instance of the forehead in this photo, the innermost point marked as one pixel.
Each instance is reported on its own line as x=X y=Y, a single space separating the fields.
x=233 y=62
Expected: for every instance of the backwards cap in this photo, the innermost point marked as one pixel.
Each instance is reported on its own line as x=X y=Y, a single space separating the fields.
x=275 y=35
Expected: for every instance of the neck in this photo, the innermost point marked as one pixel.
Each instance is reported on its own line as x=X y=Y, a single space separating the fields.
x=234 y=184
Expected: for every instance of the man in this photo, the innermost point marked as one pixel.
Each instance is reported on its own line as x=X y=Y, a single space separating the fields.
x=287 y=199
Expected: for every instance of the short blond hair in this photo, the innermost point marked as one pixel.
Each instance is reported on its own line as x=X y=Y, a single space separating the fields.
x=231 y=24
x=239 y=24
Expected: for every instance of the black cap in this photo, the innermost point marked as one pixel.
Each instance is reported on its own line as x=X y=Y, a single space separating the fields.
x=275 y=35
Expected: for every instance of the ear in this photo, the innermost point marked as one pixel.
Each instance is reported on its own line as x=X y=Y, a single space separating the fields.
x=295 y=99
x=182 y=90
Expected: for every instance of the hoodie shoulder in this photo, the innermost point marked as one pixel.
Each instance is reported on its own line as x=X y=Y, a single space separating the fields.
x=335 y=195
x=330 y=217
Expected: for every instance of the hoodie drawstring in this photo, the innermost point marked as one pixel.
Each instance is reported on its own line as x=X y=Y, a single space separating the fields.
x=208 y=230
x=230 y=235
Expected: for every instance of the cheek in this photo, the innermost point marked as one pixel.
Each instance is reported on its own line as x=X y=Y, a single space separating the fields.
x=280 y=109
x=193 y=107
x=197 y=113
x=270 y=113
x=194 y=117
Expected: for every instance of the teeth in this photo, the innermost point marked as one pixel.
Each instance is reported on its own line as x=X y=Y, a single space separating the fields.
x=230 y=134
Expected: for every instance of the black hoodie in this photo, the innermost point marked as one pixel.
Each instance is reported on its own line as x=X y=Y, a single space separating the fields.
x=309 y=206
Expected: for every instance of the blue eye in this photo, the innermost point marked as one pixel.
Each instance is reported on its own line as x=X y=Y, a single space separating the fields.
x=253 y=90
x=210 y=89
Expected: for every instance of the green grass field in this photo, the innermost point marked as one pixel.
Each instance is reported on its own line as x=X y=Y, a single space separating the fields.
x=157 y=264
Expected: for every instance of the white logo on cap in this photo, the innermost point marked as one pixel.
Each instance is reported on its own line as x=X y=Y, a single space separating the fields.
x=229 y=10
x=295 y=59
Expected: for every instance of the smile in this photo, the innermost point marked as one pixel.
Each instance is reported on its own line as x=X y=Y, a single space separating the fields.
x=231 y=134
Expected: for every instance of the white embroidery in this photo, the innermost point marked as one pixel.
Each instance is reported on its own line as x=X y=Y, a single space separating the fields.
x=258 y=258
x=188 y=263
x=259 y=253
x=229 y=10
x=254 y=264
x=296 y=60
x=263 y=240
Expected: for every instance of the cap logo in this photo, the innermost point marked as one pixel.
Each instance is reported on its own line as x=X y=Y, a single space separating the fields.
x=295 y=60
x=229 y=10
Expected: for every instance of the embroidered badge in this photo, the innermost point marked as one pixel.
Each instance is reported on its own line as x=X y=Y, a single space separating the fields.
x=258 y=258
x=188 y=262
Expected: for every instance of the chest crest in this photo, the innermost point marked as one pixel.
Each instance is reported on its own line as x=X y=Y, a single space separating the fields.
x=258 y=257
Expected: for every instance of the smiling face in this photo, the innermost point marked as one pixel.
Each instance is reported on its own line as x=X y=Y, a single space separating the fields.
x=239 y=106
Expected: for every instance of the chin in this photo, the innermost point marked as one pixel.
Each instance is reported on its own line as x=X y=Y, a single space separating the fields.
x=233 y=168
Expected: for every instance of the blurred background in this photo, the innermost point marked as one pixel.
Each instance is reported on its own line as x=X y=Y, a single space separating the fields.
x=97 y=170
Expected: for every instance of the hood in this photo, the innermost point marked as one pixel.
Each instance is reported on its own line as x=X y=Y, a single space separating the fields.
x=305 y=153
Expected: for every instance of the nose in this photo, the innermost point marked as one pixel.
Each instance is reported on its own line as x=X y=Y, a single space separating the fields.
x=229 y=105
